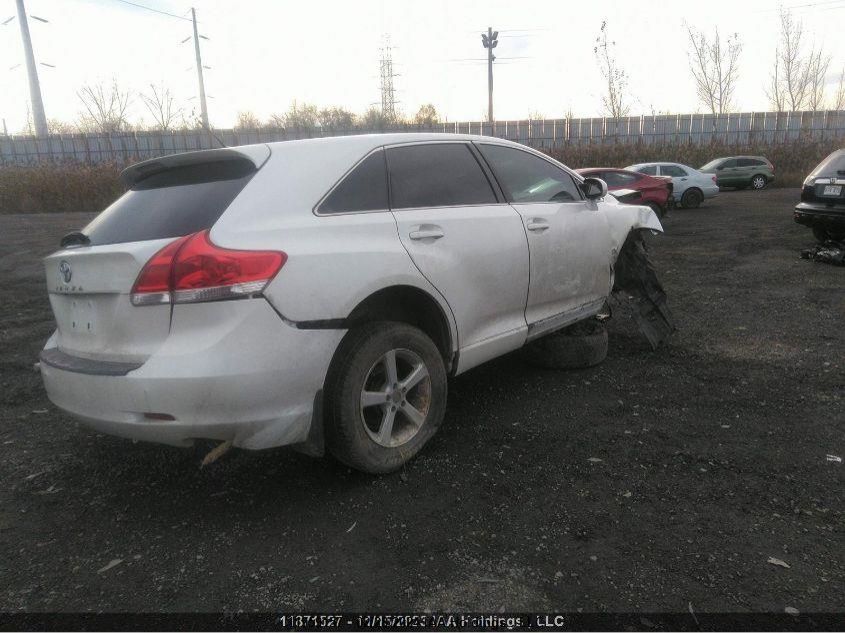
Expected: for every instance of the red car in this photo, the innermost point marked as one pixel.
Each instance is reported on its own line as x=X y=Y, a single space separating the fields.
x=654 y=191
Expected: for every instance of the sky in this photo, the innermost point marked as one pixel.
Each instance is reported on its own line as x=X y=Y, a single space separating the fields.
x=264 y=54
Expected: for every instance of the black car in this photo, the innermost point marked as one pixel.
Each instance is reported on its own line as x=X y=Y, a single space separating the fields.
x=822 y=205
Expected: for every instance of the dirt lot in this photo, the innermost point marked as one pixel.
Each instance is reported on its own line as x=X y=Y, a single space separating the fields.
x=653 y=482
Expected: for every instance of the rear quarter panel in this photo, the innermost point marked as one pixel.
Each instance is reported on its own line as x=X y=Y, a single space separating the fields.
x=334 y=261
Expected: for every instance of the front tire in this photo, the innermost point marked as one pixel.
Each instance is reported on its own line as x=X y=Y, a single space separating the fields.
x=692 y=199
x=385 y=396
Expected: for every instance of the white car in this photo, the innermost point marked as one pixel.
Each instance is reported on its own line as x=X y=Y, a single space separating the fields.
x=690 y=187
x=321 y=290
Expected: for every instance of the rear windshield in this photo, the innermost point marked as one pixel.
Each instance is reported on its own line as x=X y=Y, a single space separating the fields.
x=833 y=165
x=171 y=203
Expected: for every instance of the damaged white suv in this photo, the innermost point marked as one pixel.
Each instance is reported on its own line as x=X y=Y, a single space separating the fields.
x=321 y=291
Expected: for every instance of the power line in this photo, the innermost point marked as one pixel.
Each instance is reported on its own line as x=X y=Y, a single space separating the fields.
x=142 y=6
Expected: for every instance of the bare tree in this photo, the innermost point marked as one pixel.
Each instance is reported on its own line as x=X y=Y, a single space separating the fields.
x=839 y=97
x=714 y=66
x=247 y=120
x=795 y=83
x=615 y=97
x=105 y=107
x=161 y=105
x=818 y=65
x=336 y=118
x=427 y=115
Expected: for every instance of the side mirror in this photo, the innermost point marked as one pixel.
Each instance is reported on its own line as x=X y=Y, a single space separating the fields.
x=720 y=168
x=594 y=188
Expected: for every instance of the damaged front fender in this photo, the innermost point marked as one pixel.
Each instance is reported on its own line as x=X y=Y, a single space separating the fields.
x=624 y=218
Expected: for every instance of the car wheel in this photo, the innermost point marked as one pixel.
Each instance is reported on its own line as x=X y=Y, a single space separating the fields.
x=581 y=345
x=758 y=182
x=691 y=199
x=385 y=396
x=820 y=234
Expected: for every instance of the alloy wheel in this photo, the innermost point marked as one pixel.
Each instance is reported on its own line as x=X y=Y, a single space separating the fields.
x=758 y=182
x=395 y=398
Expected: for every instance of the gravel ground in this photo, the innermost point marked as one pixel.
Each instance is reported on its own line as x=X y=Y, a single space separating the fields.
x=657 y=481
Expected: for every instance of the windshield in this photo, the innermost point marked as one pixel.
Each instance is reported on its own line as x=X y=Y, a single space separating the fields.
x=712 y=164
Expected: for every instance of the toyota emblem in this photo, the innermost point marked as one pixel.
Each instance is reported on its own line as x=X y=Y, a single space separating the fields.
x=65 y=271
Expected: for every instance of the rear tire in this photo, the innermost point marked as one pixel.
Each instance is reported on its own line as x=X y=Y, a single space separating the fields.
x=692 y=199
x=759 y=182
x=822 y=235
x=385 y=396
x=581 y=345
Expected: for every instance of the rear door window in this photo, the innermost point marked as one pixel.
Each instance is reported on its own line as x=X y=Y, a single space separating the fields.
x=436 y=175
x=363 y=189
x=171 y=203
x=529 y=178
x=749 y=162
x=672 y=170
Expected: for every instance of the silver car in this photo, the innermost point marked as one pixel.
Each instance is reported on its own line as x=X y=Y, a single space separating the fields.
x=319 y=292
x=690 y=186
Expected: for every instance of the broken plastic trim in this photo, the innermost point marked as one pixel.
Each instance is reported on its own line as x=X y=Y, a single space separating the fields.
x=636 y=284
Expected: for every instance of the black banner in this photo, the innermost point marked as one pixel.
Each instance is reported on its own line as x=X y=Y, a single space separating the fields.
x=421 y=622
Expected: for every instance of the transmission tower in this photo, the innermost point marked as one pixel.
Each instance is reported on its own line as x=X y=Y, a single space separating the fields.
x=388 y=94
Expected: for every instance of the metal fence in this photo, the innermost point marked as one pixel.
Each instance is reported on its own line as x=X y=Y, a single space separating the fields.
x=743 y=128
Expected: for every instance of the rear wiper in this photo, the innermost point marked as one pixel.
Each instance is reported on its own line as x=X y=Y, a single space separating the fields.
x=75 y=238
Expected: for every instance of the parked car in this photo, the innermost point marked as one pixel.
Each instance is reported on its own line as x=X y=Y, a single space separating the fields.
x=690 y=187
x=280 y=293
x=741 y=171
x=822 y=205
x=655 y=191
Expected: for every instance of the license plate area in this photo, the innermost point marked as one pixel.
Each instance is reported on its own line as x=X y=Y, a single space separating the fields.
x=80 y=318
x=832 y=191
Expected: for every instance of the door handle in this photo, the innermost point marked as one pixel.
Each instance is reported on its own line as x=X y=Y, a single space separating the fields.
x=434 y=233
x=537 y=224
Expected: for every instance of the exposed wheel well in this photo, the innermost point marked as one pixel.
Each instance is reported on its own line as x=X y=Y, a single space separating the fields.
x=407 y=304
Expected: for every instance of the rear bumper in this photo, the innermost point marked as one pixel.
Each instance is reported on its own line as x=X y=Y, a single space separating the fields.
x=821 y=215
x=228 y=371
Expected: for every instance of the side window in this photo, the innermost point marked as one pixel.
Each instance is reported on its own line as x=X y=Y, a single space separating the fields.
x=437 y=175
x=650 y=170
x=363 y=189
x=728 y=164
x=529 y=178
x=672 y=170
x=749 y=162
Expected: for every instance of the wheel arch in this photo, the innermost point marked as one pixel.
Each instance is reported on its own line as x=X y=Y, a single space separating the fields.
x=414 y=306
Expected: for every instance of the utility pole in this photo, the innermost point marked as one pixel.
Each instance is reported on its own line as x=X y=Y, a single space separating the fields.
x=489 y=41
x=203 y=104
x=38 y=116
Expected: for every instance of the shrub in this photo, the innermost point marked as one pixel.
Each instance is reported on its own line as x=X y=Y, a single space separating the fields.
x=59 y=187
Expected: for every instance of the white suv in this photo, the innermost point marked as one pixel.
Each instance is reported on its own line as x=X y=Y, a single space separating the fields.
x=321 y=290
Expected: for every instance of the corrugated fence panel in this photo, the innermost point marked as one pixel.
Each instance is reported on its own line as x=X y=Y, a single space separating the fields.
x=735 y=128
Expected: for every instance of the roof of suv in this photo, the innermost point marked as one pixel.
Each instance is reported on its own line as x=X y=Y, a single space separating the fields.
x=371 y=141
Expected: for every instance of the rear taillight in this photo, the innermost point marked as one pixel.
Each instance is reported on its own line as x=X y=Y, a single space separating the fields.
x=192 y=269
x=713 y=178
